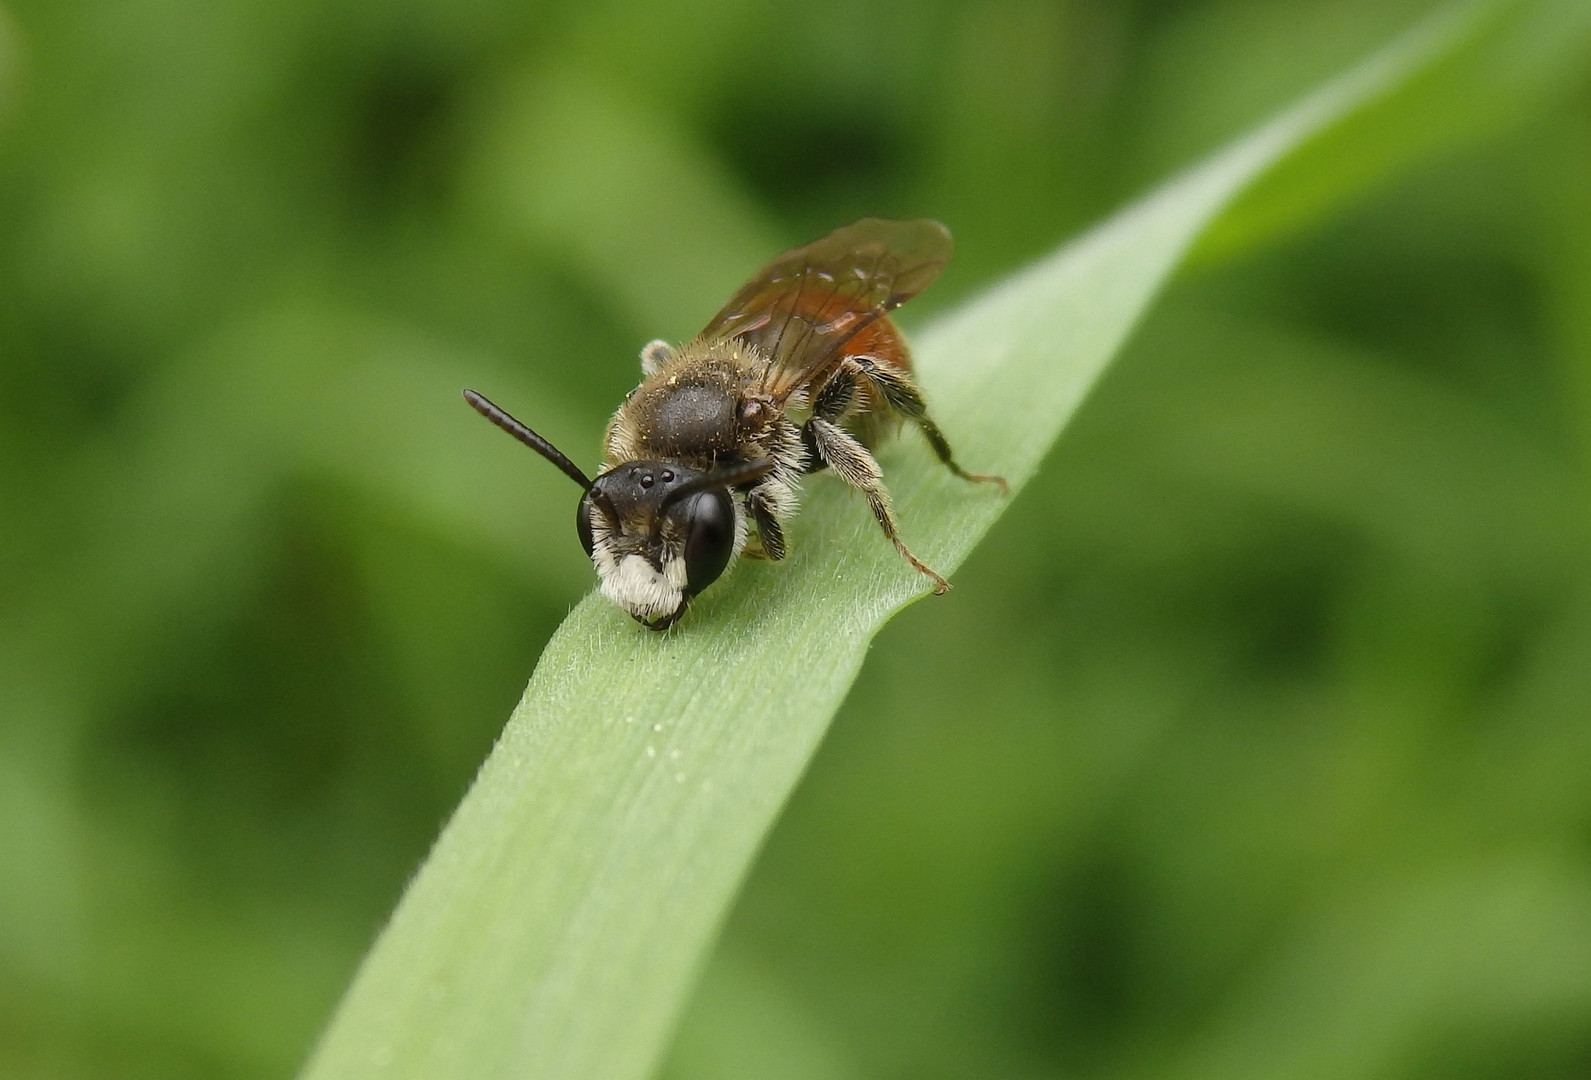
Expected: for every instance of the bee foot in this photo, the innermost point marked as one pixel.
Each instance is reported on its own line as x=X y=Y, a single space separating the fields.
x=941 y=586
x=987 y=478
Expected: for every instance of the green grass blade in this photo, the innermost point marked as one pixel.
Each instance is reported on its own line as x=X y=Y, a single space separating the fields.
x=556 y=926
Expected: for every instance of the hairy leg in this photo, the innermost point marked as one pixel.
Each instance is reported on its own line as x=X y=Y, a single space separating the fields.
x=904 y=396
x=769 y=503
x=852 y=463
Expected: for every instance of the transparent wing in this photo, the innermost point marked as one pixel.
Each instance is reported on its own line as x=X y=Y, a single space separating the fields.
x=801 y=309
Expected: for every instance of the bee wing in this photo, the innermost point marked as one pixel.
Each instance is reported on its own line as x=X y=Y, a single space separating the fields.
x=801 y=309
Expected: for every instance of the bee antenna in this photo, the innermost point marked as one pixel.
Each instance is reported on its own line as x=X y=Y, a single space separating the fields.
x=733 y=476
x=519 y=431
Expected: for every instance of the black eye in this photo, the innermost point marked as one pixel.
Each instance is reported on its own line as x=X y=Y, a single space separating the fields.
x=583 y=523
x=710 y=539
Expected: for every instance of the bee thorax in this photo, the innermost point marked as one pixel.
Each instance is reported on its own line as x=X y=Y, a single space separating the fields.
x=690 y=409
x=756 y=412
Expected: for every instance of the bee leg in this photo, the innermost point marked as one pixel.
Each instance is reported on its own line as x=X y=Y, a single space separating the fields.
x=815 y=462
x=831 y=404
x=852 y=463
x=904 y=396
x=655 y=355
x=763 y=504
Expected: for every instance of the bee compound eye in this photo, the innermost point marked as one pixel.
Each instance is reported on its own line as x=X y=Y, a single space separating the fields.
x=583 y=523
x=710 y=540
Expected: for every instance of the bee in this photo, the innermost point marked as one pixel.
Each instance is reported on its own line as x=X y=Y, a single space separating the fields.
x=801 y=371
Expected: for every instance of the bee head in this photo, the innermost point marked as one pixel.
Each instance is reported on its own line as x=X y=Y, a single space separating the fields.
x=658 y=534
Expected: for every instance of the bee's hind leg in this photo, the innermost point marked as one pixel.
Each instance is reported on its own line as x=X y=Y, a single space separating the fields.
x=906 y=398
x=852 y=463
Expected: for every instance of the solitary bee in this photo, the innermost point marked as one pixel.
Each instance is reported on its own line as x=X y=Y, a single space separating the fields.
x=802 y=370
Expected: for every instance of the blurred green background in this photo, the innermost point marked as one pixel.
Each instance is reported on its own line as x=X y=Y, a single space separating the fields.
x=1252 y=743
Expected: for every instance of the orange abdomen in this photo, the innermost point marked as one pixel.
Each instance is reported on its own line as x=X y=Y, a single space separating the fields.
x=882 y=342
x=872 y=419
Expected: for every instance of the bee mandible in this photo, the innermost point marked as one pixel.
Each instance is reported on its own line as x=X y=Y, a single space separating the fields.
x=802 y=370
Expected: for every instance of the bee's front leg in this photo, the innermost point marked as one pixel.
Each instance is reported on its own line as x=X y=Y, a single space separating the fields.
x=768 y=504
